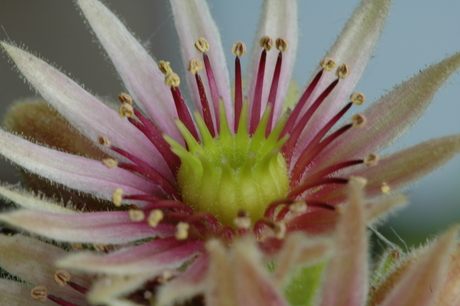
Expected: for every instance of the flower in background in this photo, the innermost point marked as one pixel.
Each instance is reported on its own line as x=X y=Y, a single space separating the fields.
x=170 y=203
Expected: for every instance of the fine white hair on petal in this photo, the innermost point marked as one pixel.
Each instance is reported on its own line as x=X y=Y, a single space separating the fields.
x=137 y=69
x=193 y=20
x=85 y=112
x=278 y=20
x=76 y=172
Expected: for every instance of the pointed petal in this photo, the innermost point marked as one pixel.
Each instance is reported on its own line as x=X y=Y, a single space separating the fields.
x=402 y=168
x=13 y=293
x=193 y=20
x=34 y=262
x=79 y=173
x=354 y=47
x=278 y=20
x=151 y=257
x=86 y=113
x=349 y=261
x=31 y=201
x=113 y=227
x=450 y=292
x=378 y=210
x=423 y=281
x=191 y=283
x=392 y=115
x=137 y=69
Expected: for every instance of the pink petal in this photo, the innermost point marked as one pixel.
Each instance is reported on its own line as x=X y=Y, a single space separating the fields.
x=137 y=69
x=345 y=281
x=18 y=294
x=79 y=173
x=278 y=20
x=354 y=47
x=193 y=20
x=86 y=113
x=34 y=261
x=151 y=257
x=421 y=284
x=316 y=222
x=114 y=227
x=392 y=115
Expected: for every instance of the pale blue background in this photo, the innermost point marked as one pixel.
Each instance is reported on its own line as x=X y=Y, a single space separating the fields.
x=419 y=32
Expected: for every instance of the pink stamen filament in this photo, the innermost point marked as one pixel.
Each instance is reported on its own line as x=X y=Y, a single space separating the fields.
x=274 y=206
x=77 y=287
x=60 y=301
x=288 y=148
x=273 y=90
x=227 y=233
x=168 y=205
x=183 y=112
x=257 y=99
x=212 y=86
x=238 y=92
x=206 y=111
x=260 y=226
x=309 y=185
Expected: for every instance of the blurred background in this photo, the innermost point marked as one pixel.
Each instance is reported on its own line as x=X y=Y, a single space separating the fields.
x=418 y=33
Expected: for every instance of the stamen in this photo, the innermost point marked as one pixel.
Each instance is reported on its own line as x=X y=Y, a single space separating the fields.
x=155 y=217
x=358 y=98
x=195 y=65
x=136 y=215
x=371 y=160
x=282 y=44
x=125 y=110
x=274 y=207
x=226 y=233
x=182 y=231
x=278 y=229
x=266 y=43
x=242 y=222
x=327 y=64
x=385 y=188
x=202 y=45
x=239 y=49
x=309 y=185
x=39 y=293
x=165 y=204
x=125 y=98
x=172 y=79
x=298 y=208
x=110 y=163
x=165 y=67
x=342 y=71
x=359 y=120
x=61 y=277
x=103 y=140
x=117 y=197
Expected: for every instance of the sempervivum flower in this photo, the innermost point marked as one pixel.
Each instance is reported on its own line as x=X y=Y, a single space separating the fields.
x=202 y=198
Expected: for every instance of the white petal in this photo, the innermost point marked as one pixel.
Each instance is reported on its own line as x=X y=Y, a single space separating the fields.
x=136 y=67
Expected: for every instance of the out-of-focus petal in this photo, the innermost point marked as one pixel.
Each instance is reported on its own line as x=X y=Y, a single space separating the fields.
x=450 y=292
x=86 y=113
x=137 y=69
x=34 y=262
x=193 y=20
x=316 y=222
x=380 y=209
x=18 y=294
x=402 y=168
x=112 y=227
x=422 y=283
x=278 y=20
x=345 y=281
x=392 y=115
x=152 y=257
x=31 y=201
x=79 y=173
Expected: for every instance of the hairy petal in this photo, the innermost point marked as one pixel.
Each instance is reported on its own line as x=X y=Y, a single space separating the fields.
x=391 y=116
x=33 y=261
x=193 y=20
x=421 y=284
x=354 y=47
x=278 y=20
x=101 y=227
x=79 y=173
x=138 y=70
x=349 y=260
x=450 y=292
x=86 y=113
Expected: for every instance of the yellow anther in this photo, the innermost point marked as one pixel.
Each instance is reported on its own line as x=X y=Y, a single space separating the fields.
x=125 y=98
x=266 y=43
x=371 y=160
x=359 y=120
x=327 y=64
x=117 y=197
x=239 y=48
x=357 y=181
x=342 y=71
x=358 y=98
x=279 y=229
x=165 y=67
x=61 y=277
x=136 y=215
x=103 y=140
x=39 y=293
x=242 y=222
x=172 y=80
x=182 y=230
x=282 y=44
x=298 y=208
x=126 y=110
x=385 y=188
x=195 y=65
x=202 y=45
x=155 y=217
x=110 y=163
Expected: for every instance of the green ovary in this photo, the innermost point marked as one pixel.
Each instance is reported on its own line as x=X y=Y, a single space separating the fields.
x=231 y=172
